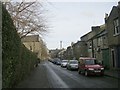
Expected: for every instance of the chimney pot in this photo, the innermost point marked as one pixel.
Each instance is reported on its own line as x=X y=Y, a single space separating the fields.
x=119 y=4
x=106 y=15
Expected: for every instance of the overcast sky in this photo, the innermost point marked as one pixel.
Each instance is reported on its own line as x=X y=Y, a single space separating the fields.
x=71 y=20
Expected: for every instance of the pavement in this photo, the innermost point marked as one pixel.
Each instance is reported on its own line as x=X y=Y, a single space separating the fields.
x=113 y=73
x=37 y=79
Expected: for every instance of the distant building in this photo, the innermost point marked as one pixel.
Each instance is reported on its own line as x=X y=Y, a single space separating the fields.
x=54 y=53
x=61 y=53
x=87 y=39
x=33 y=43
x=79 y=49
x=69 y=53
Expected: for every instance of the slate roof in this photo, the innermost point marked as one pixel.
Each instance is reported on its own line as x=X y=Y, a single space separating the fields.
x=31 y=38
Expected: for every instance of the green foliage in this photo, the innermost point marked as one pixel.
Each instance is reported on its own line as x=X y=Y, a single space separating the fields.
x=17 y=60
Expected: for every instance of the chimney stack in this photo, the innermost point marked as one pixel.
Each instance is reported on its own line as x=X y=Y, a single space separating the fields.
x=119 y=4
x=106 y=17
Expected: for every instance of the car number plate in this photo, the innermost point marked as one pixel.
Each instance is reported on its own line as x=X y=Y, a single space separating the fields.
x=97 y=71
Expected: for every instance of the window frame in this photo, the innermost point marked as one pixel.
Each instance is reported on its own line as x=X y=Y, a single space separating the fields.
x=116 y=24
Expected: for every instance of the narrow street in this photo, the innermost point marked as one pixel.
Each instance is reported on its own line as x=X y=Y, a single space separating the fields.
x=48 y=75
x=40 y=38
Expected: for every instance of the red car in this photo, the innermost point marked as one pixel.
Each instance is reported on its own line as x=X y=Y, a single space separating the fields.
x=89 y=66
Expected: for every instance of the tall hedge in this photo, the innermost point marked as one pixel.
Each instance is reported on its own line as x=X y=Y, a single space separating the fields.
x=17 y=60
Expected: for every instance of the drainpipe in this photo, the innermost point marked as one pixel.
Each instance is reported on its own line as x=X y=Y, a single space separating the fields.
x=92 y=49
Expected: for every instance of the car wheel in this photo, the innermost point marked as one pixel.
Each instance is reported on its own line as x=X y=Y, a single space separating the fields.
x=86 y=73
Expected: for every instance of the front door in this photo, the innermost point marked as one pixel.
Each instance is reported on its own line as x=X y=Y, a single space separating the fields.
x=105 y=56
x=113 y=58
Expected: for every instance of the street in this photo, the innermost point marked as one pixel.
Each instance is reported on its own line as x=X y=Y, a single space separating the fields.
x=59 y=77
x=69 y=45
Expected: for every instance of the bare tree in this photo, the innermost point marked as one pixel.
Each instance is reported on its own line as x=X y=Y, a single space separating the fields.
x=44 y=53
x=28 y=17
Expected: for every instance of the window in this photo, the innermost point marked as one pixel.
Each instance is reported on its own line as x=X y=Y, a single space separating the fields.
x=116 y=27
x=89 y=62
x=100 y=41
x=30 y=47
x=90 y=45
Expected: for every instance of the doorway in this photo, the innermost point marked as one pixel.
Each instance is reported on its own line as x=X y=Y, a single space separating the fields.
x=113 y=58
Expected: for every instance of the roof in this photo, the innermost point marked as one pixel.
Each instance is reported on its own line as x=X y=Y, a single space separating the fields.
x=85 y=34
x=104 y=32
x=78 y=42
x=102 y=26
x=114 y=8
x=31 y=38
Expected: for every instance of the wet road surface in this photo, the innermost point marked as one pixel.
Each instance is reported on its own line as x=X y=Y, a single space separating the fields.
x=62 y=78
x=49 y=75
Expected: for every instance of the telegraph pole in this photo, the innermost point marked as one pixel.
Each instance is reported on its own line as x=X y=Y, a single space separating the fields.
x=60 y=44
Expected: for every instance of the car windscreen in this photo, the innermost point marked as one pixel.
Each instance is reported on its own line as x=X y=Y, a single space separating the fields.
x=58 y=60
x=65 y=61
x=74 y=62
x=90 y=62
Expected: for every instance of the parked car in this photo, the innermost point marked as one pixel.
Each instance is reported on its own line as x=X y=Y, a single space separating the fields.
x=57 y=61
x=50 y=60
x=90 y=66
x=72 y=65
x=64 y=63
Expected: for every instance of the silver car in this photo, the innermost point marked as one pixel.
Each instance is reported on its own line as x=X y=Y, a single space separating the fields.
x=64 y=63
x=72 y=65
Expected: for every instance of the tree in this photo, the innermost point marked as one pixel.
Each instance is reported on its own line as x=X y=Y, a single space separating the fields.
x=44 y=51
x=27 y=17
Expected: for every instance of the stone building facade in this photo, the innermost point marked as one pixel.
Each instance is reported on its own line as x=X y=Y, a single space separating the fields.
x=33 y=43
x=112 y=22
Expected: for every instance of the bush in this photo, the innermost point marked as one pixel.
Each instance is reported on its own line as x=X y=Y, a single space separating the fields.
x=17 y=60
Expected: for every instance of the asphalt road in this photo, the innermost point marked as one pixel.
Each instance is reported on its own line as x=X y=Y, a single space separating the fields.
x=59 y=77
x=49 y=75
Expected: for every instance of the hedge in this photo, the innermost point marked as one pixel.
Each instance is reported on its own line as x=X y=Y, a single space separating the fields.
x=17 y=60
